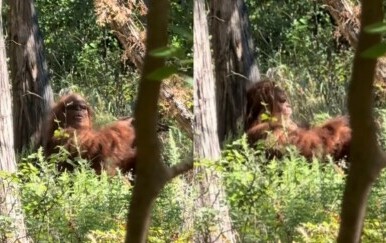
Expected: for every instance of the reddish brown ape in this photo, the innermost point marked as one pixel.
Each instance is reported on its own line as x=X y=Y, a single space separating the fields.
x=269 y=112
x=108 y=148
x=331 y=138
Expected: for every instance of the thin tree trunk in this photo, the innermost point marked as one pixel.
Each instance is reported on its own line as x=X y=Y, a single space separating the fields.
x=9 y=203
x=206 y=142
x=235 y=65
x=367 y=158
x=32 y=93
x=152 y=173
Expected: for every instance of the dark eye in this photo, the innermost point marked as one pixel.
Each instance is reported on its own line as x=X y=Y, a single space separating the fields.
x=280 y=96
x=82 y=107
x=281 y=99
x=76 y=107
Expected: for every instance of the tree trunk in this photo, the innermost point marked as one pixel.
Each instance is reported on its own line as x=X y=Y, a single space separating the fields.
x=152 y=173
x=9 y=203
x=32 y=93
x=206 y=142
x=235 y=64
x=367 y=158
x=117 y=15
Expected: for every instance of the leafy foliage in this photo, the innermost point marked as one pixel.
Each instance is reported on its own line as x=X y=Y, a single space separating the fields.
x=84 y=207
x=69 y=206
x=276 y=200
x=291 y=199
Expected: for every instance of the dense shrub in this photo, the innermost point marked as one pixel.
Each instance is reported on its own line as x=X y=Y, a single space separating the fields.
x=291 y=199
x=84 y=207
x=70 y=206
x=276 y=200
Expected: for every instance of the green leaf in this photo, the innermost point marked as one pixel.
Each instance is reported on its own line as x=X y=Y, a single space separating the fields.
x=183 y=32
x=378 y=28
x=186 y=62
x=189 y=80
x=375 y=51
x=265 y=117
x=164 y=52
x=162 y=73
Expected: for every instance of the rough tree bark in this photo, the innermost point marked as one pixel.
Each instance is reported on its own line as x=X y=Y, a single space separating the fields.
x=367 y=159
x=32 y=93
x=206 y=142
x=117 y=15
x=347 y=15
x=152 y=173
x=9 y=203
x=235 y=65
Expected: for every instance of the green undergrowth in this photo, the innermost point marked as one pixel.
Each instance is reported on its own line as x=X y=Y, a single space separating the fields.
x=291 y=199
x=81 y=206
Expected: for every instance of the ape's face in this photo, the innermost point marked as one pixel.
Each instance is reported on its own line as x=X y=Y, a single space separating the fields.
x=77 y=112
x=280 y=103
x=286 y=109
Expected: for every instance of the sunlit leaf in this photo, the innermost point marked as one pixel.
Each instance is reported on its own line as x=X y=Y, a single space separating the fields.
x=378 y=28
x=164 y=52
x=264 y=117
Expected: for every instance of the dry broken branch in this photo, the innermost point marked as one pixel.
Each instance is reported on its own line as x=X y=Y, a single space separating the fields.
x=118 y=16
x=173 y=96
x=346 y=16
x=181 y=167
